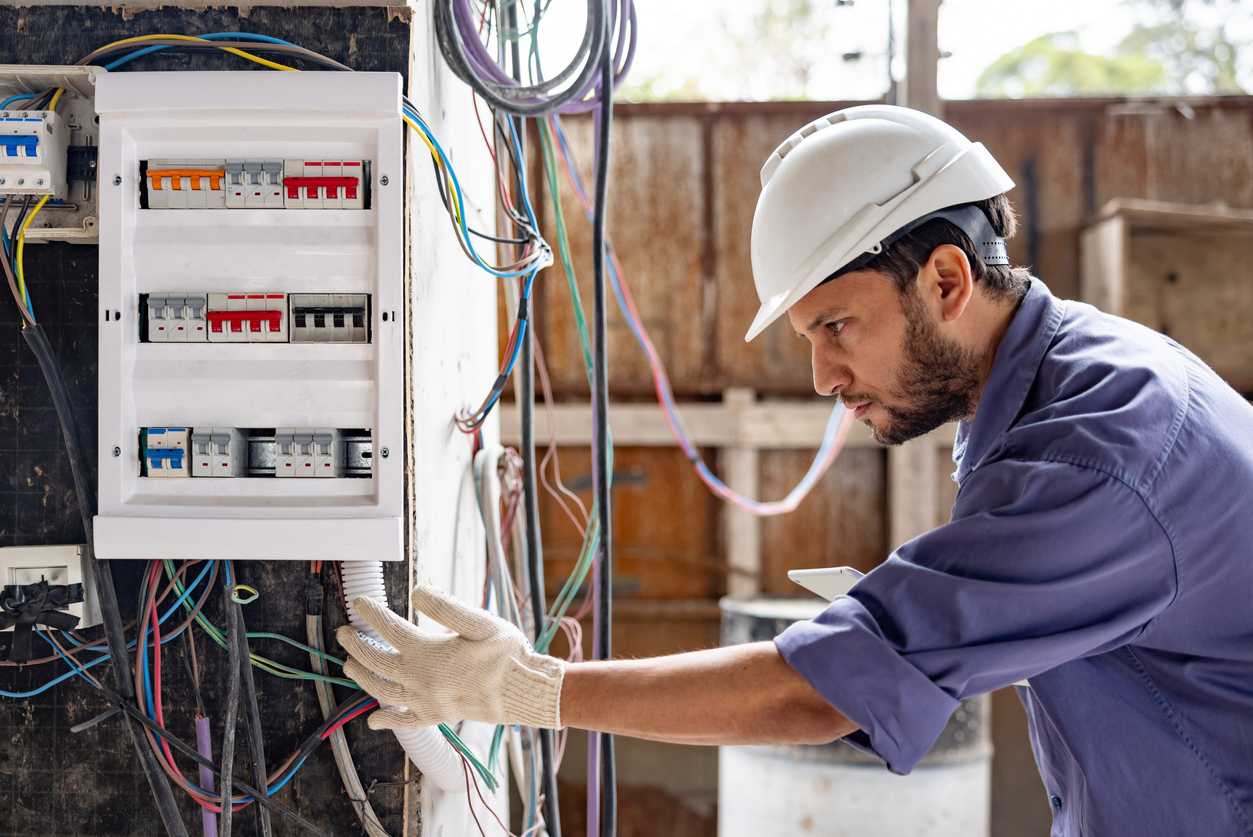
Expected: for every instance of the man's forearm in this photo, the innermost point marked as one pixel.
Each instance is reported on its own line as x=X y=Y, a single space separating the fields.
x=743 y=694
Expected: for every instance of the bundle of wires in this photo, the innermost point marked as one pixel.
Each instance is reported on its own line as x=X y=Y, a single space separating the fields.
x=12 y=249
x=462 y=29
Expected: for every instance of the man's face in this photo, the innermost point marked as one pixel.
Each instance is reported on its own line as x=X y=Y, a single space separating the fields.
x=883 y=354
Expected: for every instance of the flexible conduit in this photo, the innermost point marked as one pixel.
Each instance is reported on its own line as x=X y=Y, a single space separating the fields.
x=424 y=746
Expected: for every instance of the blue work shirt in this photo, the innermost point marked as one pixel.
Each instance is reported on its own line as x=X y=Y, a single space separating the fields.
x=1101 y=547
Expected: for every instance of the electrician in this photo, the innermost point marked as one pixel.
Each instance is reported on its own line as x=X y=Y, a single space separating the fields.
x=1100 y=548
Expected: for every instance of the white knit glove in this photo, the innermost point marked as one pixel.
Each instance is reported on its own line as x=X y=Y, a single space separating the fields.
x=486 y=671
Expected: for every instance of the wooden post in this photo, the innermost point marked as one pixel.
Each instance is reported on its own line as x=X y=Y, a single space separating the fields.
x=1102 y=263
x=911 y=467
x=743 y=530
x=922 y=55
x=911 y=490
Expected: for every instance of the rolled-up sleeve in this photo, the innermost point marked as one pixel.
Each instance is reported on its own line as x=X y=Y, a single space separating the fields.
x=1043 y=563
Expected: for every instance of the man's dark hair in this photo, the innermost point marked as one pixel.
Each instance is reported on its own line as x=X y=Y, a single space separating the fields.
x=903 y=258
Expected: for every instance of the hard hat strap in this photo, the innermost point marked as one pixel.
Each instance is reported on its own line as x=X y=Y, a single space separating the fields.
x=968 y=218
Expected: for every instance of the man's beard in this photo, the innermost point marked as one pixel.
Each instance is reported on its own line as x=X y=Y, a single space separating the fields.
x=937 y=381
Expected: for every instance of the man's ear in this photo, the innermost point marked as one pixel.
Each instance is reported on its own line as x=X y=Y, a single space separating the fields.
x=947 y=282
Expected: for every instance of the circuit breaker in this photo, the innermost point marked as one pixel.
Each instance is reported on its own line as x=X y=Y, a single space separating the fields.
x=51 y=151
x=251 y=316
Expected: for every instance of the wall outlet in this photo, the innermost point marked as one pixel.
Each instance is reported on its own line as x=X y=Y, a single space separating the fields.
x=24 y=565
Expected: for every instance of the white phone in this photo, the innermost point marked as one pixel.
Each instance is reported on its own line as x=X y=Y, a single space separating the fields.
x=828 y=582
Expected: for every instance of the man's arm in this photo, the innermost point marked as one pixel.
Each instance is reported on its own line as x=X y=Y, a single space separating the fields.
x=486 y=671
x=743 y=694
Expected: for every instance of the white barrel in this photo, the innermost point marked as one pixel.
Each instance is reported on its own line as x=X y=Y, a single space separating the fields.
x=834 y=790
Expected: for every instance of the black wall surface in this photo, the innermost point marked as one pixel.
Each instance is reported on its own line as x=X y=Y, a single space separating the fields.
x=53 y=781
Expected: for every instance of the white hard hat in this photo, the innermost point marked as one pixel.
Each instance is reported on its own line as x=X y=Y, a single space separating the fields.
x=844 y=184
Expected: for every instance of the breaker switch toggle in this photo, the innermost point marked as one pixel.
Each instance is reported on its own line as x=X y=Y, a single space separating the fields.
x=20 y=146
x=235 y=321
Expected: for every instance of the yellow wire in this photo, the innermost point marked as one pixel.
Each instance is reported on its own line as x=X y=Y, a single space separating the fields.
x=455 y=203
x=239 y=52
x=53 y=104
x=21 y=244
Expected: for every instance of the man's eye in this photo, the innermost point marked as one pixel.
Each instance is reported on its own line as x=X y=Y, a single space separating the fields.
x=836 y=327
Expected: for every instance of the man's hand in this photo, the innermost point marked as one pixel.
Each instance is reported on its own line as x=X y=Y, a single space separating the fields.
x=486 y=671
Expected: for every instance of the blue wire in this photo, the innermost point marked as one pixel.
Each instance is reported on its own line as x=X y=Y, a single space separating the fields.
x=210 y=37
x=74 y=667
x=452 y=175
x=5 y=103
x=45 y=687
x=143 y=650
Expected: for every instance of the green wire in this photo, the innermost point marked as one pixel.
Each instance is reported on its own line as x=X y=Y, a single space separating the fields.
x=460 y=746
x=280 y=670
x=266 y=665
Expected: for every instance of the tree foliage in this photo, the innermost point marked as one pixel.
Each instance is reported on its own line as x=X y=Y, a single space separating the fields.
x=1176 y=46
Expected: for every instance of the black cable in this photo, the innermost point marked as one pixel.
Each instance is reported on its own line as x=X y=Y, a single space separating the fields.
x=231 y=718
x=17 y=224
x=134 y=715
x=600 y=395
x=114 y=635
x=252 y=714
x=530 y=485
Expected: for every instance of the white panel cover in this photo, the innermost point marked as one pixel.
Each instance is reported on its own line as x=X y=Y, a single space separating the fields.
x=250 y=116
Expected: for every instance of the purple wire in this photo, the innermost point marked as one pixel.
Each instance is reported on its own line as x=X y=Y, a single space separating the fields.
x=582 y=104
x=204 y=746
x=484 y=65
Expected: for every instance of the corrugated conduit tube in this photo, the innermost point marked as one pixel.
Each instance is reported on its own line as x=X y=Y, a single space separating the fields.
x=425 y=746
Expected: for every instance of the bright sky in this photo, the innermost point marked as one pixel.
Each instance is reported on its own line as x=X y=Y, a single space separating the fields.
x=676 y=38
x=692 y=41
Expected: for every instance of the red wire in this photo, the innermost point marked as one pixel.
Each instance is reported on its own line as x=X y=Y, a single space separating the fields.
x=365 y=707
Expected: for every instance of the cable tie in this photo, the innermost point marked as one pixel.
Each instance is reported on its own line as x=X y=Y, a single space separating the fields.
x=88 y=724
x=500 y=382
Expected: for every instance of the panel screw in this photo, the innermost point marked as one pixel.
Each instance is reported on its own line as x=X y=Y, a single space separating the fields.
x=383 y=453
x=1 y=181
x=43 y=115
x=117 y=451
x=383 y=180
x=21 y=181
x=39 y=182
x=117 y=180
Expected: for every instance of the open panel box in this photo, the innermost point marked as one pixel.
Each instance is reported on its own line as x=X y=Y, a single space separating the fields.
x=259 y=393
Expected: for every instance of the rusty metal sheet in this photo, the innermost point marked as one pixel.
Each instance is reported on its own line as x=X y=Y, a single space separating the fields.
x=655 y=223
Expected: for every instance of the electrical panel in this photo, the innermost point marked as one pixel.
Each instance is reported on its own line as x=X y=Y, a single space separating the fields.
x=251 y=316
x=51 y=152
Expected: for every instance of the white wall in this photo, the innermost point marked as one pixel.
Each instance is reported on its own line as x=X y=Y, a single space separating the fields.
x=452 y=324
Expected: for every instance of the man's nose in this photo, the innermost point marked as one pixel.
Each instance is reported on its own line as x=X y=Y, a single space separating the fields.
x=830 y=376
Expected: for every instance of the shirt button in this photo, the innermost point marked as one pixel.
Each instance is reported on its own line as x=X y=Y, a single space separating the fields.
x=1057 y=802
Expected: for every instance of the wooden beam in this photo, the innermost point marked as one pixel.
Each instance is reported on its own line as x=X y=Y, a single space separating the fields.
x=763 y=424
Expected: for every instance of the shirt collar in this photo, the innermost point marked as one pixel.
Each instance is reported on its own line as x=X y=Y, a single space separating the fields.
x=1017 y=361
